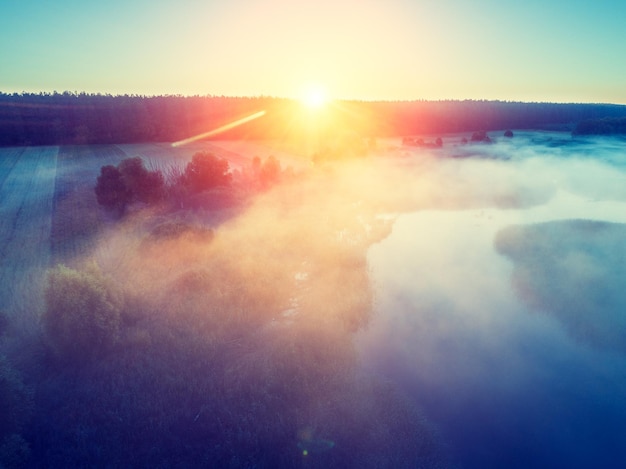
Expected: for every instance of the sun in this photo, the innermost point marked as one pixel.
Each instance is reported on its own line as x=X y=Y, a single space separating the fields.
x=314 y=96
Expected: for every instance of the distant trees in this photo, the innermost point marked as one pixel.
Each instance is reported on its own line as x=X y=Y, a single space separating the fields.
x=264 y=174
x=606 y=126
x=72 y=118
x=480 y=136
x=419 y=142
x=130 y=181
x=269 y=171
x=81 y=319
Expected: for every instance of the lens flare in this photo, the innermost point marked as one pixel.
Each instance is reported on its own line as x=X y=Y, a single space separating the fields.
x=219 y=130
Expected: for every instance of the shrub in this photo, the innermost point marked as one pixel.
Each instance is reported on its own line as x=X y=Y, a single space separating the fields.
x=82 y=315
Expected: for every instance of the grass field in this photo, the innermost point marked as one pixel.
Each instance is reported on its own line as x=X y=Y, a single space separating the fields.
x=26 y=195
x=48 y=209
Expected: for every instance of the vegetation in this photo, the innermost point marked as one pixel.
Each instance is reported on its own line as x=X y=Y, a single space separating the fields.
x=130 y=181
x=82 y=315
x=603 y=126
x=69 y=118
x=111 y=190
x=143 y=185
x=480 y=136
x=206 y=171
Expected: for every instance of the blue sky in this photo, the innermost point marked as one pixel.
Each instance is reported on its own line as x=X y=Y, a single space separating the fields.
x=396 y=49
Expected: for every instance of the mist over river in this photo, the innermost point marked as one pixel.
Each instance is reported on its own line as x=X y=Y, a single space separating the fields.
x=504 y=318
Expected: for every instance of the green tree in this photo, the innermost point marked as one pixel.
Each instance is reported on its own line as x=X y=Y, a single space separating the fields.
x=144 y=186
x=111 y=191
x=82 y=315
x=206 y=171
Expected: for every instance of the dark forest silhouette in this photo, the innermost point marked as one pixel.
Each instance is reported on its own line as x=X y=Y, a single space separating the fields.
x=80 y=118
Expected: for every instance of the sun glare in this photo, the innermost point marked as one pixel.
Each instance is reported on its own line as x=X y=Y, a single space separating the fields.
x=314 y=97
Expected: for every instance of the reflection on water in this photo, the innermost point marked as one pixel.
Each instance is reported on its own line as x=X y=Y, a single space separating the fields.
x=507 y=385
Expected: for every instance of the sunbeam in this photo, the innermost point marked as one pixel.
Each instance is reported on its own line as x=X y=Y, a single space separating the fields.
x=219 y=130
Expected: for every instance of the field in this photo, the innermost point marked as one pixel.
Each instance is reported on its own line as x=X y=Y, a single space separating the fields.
x=48 y=209
x=27 y=190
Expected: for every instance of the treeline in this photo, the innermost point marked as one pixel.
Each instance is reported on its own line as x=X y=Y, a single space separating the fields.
x=71 y=118
x=604 y=126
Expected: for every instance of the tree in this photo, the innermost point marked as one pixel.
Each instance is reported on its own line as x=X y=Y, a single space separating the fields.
x=128 y=182
x=270 y=171
x=111 y=191
x=82 y=315
x=206 y=171
x=144 y=186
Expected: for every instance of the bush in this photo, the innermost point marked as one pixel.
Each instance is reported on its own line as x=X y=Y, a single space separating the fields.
x=82 y=315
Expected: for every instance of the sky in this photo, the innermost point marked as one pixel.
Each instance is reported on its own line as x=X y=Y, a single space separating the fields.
x=538 y=50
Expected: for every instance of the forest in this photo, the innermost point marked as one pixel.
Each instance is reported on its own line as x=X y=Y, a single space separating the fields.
x=80 y=118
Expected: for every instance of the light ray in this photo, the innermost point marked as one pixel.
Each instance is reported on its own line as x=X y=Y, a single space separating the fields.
x=219 y=130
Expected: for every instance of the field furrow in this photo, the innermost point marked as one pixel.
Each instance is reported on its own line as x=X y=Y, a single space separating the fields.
x=25 y=220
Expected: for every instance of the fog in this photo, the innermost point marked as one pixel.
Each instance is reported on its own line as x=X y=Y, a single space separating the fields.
x=464 y=276
x=411 y=308
x=501 y=309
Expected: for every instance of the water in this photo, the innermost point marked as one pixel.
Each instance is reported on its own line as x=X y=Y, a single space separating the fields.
x=507 y=383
